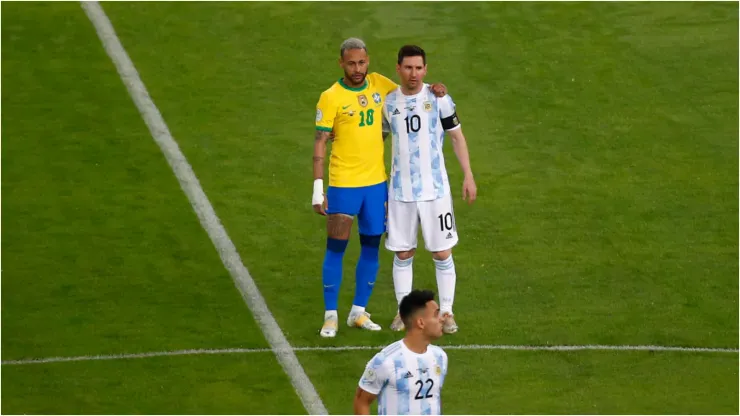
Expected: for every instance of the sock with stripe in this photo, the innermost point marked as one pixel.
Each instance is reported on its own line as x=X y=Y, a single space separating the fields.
x=403 y=277
x=446 y=280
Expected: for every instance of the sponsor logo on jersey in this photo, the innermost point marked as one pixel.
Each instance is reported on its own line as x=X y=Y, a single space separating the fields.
x=396 y=112
x=408 y=375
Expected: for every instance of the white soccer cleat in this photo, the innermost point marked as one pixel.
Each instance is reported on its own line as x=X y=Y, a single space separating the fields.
x=362 y=320
x=329 y=329
x=397 y=324
x=449 y=326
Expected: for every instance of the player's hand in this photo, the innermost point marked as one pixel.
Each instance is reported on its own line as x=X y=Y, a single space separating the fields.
x=320 y=208
x=439 y=90
x=469 y=191
x=318 y=200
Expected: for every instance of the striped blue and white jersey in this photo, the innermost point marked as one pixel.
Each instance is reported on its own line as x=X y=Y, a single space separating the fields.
x=418 y=170
x=405 y=382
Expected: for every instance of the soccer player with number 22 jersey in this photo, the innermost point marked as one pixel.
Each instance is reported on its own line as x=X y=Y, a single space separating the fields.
x=407 y=376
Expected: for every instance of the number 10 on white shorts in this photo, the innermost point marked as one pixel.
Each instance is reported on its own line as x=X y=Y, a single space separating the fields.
x=437 y=221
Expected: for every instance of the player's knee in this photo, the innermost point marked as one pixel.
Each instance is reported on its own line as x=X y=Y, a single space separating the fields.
x=370 y=241
x=402 y=263
x=339 y=226
x=336 y=245
x=405 y=255
x=441 y=255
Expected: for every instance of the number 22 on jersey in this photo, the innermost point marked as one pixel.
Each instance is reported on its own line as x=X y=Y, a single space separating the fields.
x=421 y=393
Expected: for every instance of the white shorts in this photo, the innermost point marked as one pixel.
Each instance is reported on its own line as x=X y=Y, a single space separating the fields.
x=437 y=224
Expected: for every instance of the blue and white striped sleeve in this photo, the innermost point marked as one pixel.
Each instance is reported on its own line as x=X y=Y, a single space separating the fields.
x=375 y=376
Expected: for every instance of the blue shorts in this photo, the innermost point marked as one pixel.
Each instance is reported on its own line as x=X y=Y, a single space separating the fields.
x=366 y=202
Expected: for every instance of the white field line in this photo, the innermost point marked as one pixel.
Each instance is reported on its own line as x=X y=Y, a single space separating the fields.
x=207 y=216
x=654 y=348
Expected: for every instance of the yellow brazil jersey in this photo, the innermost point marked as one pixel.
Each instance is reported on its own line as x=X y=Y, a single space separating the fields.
x=356 y=116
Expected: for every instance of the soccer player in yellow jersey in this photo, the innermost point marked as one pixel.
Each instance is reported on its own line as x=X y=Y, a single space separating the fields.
x=351 y=109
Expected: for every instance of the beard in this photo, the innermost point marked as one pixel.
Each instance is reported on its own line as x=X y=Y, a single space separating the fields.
x=355 y=81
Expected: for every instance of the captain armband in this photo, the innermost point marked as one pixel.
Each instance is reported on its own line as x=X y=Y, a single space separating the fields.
x=449 y=123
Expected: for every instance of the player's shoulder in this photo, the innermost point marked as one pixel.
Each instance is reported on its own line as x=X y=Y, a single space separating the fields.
x=438 y=351
x=439 y=354
x=381 y=83
x=440 y=357
x=445 y=99
x=378 y=77
x=393 y=94
x=333 y=90
x=446 y=105
x=385 y=357
x=391 y=350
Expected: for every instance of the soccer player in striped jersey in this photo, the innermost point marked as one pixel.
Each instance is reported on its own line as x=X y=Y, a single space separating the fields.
x=419 y=186
x=351 y=110
x=407 y=376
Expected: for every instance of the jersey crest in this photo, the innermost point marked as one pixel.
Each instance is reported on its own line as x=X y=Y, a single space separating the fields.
x=362 y=99
x=376 y=98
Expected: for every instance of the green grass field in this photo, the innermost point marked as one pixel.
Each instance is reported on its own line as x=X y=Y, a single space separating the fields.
x=604 y=140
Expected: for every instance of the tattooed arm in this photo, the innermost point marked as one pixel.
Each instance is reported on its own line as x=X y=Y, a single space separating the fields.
x=319 y=153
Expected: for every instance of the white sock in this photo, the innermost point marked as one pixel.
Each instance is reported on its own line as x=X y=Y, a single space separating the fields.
x=330 y=314
x=446 y=279
x=403 y=277
x=356 y=310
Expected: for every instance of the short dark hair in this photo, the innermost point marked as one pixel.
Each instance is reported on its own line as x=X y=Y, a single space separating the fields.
x=412 y=303
x=411 y=50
